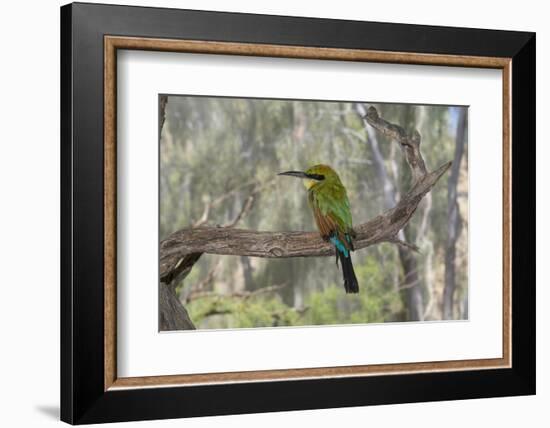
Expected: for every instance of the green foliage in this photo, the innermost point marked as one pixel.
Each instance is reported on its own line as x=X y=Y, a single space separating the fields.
x=237 y=312
x=375 y=303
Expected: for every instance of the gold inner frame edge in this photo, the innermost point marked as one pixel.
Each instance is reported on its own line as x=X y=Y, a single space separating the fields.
x=113 y=43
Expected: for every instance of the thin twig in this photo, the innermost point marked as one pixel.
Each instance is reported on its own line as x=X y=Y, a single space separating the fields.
x=405 y=244
x=245 y=295
x=216 y=202
x=209 y=205
x=201 y=285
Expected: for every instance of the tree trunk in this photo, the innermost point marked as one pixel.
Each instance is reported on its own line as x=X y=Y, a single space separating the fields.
x=412 y=285
x=172 y=314
x=454 y=221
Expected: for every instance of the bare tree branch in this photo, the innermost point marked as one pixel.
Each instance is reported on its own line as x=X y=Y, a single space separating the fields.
x=413 y=285
x=410 y=143
x=249 y=203
x=247 y=206
x=406 y=245
x=240 y=242
x=200 y=286
x=245 y=295
x=209 y=204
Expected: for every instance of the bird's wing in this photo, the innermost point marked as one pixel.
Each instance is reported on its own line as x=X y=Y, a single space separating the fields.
x=332 y=214
x=334 y=202
x=325 y=223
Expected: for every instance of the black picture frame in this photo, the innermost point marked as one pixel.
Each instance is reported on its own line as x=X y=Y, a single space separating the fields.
x=83 y=398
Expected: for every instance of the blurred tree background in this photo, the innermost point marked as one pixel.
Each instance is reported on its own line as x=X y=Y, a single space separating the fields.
x=218 y=163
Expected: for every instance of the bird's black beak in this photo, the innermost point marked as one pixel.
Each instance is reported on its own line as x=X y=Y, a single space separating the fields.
x=298 y=174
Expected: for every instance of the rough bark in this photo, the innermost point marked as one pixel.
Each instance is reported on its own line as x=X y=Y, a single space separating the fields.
x=410 y=143
x=454 y=221
x=183 y=248
x=172 y=314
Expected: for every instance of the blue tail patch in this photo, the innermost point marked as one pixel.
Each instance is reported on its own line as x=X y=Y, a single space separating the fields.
x=338 y=244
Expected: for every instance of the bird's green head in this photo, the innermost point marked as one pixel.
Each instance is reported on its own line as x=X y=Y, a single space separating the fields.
x=315 y=175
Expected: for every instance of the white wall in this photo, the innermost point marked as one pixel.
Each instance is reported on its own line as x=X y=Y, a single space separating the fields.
x=29 y=230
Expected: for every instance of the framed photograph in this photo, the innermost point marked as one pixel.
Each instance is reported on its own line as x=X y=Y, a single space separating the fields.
x=265 y=213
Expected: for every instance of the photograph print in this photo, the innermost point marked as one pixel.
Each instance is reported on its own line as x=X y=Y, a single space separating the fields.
x=294 y=213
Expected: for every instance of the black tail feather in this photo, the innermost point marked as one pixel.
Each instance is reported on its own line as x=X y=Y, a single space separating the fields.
x=350 y=280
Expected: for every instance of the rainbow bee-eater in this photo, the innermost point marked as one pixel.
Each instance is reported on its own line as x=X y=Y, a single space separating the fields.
x=329 y=202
